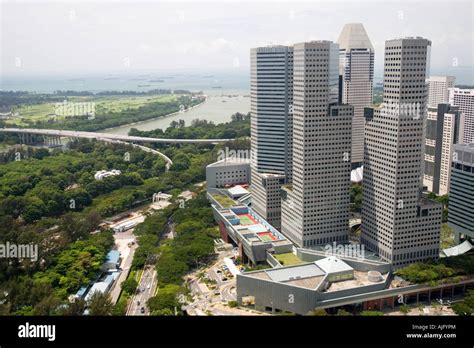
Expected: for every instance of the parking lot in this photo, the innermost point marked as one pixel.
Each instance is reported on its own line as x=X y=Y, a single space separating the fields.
x=213 y=287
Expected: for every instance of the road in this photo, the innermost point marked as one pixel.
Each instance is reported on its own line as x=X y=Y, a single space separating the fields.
x=99 y=136
x=168 y=160
x=148 y=283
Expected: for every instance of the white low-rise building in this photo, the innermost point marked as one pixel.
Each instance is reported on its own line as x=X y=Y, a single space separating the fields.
x=228 y=172
x=104 y=173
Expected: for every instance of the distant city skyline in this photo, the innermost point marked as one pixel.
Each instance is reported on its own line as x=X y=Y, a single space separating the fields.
x=125 y=37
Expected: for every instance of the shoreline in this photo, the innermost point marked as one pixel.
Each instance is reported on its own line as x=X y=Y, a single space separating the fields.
x=156 y=118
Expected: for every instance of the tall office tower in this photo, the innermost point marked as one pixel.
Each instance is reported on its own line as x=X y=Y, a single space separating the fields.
x=444 y=128
x=464 y=98
x=398 y=223
x=461 y=192
x=356 y=68
x=438 y=87
x=271 y=92
x=315 y=206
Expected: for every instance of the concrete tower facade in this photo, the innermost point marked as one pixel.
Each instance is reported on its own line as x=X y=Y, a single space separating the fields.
x=356 y=68
x=461 y=192
x=398 y=222
x=271 y=93
x=315 y=206
x=444 y=128
x=438 y=89
x=464 y=98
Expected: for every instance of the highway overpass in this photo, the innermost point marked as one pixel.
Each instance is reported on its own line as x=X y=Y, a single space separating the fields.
x=95 y=135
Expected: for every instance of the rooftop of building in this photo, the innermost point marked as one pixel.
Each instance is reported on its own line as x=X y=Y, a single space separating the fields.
x=271 y=47
x=284 y=274
x=113 y=256
x=441 y=78
x=353 y=35
x=251 y=226
x=223 y=200
x=228 y=162
x=465 y=147
x=349 y=251
x=333 y=264
x=237 y=190
x=310 y=275
x=271 y=175
x=360 y=279
x=464 y=91
x=100 y=287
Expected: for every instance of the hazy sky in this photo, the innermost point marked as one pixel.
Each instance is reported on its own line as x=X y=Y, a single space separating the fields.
x=103 y=36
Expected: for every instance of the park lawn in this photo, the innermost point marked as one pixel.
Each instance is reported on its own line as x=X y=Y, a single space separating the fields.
x=29 y=114
x=287 y=259
x=120 y=103
x=138 y=274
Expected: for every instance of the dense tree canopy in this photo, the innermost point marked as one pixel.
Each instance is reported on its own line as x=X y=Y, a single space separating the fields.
x=50 y=198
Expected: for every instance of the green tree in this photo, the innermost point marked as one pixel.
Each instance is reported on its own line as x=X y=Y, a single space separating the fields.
x=371 y=314
x=75 y=308
x=166 y=298
x=343 y=313
x=318 y=312
x=462 y=309
x=405 y=309
x=129 y=285
x=100 y=304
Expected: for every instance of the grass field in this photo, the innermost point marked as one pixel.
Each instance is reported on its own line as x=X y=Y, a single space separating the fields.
x=28 y=114
x=225 y=201
x=287 y=259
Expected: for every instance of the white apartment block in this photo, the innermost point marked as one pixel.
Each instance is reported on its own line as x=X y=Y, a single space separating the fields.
x=444 y=128
x=438 y=87
x=271 y=92
x=356 y=67
x=464 y=98
x=315 y=206
x=398 y=223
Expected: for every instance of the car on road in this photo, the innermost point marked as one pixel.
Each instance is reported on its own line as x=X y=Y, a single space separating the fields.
x=142 y=310
x=138 y=303
x=148 y=286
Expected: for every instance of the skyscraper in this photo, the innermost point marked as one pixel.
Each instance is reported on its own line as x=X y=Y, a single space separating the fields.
x=464 y=98
x=356 y=68
x=461 y=192
x=315 y=206
x=438 y=87
x=271 y=92
x=398 y=223
x=444 y=128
